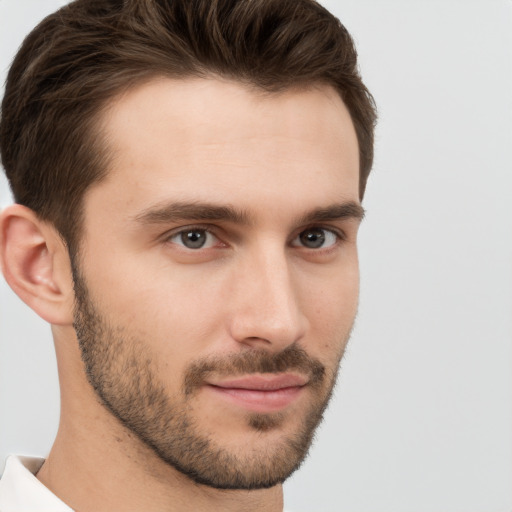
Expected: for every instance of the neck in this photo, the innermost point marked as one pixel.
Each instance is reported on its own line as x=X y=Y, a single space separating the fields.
x=97 y=465
x=91 y=471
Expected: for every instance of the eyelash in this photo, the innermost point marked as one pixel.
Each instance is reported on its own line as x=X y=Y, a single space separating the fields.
x=190 y=229
x=339 y=236
x=326 y=232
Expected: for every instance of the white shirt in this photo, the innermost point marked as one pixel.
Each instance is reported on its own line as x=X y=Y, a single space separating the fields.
x=21 y=491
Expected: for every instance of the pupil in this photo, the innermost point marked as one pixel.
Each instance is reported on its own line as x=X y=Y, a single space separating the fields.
x=313 y=238
x=193 y=239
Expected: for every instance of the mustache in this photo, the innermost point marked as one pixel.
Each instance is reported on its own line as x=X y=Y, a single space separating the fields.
x=293 y=358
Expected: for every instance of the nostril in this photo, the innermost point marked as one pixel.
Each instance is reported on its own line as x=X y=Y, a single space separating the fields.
x=255 y=338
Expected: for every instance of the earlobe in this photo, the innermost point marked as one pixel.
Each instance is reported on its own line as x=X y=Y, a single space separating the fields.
x=35 y=264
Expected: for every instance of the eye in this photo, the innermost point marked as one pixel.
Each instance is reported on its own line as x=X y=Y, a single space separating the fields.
x=194 y=238
x=316 y=238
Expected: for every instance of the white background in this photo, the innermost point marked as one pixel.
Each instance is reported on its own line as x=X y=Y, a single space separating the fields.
x=422 y=417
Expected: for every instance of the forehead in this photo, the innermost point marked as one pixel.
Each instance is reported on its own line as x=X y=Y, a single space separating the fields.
x=208 y=138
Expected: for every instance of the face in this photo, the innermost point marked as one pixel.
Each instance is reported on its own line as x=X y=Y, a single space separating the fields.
x=217 y=279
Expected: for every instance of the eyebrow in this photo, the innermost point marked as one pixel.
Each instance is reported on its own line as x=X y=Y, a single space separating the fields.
x=347 y=210
x=174 y=212
x=199 y=211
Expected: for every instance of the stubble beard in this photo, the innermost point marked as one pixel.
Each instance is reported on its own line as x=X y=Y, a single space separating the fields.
x=122 y=372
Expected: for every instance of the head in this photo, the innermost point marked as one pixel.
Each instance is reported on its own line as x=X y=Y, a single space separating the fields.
x=202 y=163
x=78 y=59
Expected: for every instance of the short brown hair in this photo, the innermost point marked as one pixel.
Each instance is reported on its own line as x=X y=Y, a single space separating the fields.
x=78 y=58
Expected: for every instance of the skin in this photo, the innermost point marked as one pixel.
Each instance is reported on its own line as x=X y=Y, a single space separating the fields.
x=255 y=287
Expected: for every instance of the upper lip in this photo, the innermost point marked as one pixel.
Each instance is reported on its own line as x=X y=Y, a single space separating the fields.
x=262 y=382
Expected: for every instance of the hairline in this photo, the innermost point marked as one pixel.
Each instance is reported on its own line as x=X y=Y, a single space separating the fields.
x=97 y=138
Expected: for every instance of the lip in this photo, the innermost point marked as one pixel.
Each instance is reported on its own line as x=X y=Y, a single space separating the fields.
x=260 y=393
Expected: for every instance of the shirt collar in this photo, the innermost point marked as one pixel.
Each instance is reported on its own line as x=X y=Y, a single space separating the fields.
x=21 y=491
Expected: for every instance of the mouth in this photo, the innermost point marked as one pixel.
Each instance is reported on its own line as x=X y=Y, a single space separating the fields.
x=260 y=393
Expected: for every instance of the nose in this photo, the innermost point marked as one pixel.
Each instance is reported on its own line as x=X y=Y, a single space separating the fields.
x=266 y=312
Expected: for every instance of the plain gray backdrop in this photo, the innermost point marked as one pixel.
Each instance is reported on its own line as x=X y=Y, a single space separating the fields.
x=422 y=416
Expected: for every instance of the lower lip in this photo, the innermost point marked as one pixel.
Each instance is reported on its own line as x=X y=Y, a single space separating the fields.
x=257 y=400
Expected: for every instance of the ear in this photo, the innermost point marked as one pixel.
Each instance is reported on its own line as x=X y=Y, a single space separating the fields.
x=35 y=264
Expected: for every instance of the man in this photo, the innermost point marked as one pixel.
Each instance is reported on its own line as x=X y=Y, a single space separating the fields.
x=188 y=178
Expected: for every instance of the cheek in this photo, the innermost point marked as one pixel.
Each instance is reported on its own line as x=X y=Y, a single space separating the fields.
x=332 y=307
x=164 y=309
